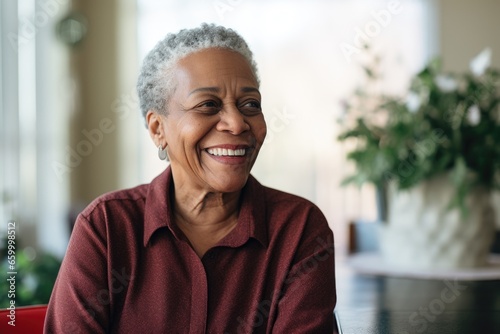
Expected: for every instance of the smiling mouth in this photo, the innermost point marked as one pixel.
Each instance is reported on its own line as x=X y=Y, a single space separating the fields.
x=226 y=152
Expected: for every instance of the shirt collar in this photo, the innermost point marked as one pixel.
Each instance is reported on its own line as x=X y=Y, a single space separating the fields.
x=251 y=219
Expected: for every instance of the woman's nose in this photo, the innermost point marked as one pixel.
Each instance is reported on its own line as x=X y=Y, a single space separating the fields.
x=232 y=120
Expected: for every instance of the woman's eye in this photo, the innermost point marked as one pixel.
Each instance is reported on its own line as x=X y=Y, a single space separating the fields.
x=209 y=104
x=208 y=107
x=251 y=107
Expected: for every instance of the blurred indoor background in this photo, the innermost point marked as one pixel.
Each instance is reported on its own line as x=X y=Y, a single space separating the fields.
x=70 y=125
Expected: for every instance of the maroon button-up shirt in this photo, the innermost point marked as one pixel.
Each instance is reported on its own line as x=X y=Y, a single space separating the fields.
x=129 y=268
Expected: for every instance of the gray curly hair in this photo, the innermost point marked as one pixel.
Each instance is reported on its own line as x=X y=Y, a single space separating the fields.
x=155 y=84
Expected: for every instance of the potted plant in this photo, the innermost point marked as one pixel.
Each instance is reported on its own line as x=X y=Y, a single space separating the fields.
x=435 y=154
x=36 y=273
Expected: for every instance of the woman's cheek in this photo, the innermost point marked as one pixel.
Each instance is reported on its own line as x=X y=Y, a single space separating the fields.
x=260 y=129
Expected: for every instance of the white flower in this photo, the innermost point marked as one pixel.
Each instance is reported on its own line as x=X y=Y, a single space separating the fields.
x=413 y=102
x=481 y=62
x=474 y=115
x=446 y=83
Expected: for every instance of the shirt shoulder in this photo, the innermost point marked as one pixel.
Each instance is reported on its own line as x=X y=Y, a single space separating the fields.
x=276 y=196
x=295 y=225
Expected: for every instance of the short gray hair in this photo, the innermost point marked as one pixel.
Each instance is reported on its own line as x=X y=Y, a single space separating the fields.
x=155 y=84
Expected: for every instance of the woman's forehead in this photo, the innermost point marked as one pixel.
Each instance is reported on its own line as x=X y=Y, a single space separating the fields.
x=212 y=68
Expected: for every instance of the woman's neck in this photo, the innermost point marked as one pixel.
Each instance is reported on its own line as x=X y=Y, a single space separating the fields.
x=204 y=209
x=205 y=217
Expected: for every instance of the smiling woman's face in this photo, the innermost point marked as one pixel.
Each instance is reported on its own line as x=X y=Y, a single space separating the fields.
x=215 y=126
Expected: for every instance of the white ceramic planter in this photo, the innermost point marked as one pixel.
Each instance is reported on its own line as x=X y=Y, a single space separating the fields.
x=422 y=233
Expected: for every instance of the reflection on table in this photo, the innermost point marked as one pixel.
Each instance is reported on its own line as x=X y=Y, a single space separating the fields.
x=381 y=304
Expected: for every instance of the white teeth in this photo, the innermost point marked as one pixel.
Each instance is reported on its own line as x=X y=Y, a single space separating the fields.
x=226 y=152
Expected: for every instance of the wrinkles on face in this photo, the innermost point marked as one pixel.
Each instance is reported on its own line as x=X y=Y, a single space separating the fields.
x=216 y=107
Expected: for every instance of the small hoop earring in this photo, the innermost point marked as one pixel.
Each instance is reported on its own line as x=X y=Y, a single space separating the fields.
x=162 y=153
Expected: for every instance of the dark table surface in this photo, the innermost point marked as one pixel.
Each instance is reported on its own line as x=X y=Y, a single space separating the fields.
x=376 y=304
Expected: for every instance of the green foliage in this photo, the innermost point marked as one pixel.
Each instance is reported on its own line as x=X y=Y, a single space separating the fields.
x=35 y=278
x=447 y=123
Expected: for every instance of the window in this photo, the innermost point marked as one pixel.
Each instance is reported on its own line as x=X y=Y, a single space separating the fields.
x=33 y=128
x=308 y=56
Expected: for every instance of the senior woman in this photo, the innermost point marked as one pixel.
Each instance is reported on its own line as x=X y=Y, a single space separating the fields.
x=203 y=248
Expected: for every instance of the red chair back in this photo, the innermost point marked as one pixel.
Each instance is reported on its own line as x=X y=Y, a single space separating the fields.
x=27 y=320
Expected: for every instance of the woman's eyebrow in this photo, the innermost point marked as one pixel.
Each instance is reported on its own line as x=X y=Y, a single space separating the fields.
x=216 y=90
x=205 y=89
x=250 y=90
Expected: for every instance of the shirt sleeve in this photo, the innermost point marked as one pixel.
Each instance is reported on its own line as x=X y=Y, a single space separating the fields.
x=308 y=296
x=80 y=299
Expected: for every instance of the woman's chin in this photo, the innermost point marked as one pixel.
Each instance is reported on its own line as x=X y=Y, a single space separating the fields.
x=229 y=185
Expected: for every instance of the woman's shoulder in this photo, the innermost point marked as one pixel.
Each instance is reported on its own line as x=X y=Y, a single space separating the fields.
x=276 y=196
x=294 y=221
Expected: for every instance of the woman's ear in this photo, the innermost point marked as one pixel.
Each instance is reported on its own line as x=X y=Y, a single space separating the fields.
x=155 y=127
